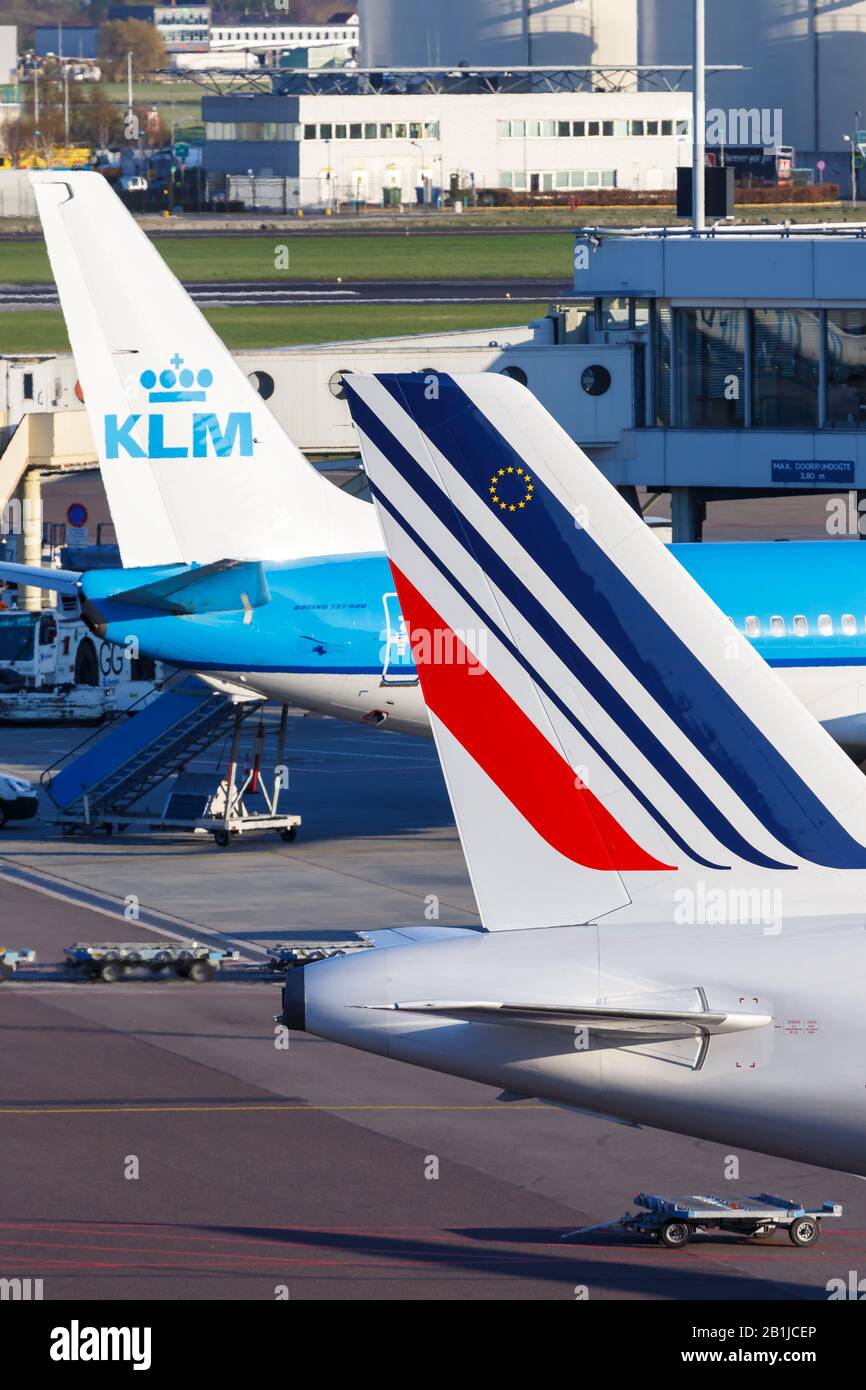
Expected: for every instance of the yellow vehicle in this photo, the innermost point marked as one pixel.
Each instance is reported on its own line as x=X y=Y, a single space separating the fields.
x=57 y=157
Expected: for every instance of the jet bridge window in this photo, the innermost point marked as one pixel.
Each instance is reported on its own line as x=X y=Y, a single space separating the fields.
x=753 y=627
x=710 y=354
x=825 y=625
x=846 y=368
x=801 y=626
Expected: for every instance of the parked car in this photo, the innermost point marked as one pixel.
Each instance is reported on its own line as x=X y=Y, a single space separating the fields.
x=19 y=800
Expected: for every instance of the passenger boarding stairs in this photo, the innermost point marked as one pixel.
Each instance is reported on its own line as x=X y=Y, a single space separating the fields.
x=112 y=771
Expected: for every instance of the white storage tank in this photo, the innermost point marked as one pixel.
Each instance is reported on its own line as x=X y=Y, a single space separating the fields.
x=489 y=33
x=806 y=57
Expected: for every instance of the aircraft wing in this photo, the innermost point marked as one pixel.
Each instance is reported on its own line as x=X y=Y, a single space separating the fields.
x=673 y=1023
x=38 y=577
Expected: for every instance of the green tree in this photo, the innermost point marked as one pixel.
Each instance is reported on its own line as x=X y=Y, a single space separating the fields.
x=122 y=36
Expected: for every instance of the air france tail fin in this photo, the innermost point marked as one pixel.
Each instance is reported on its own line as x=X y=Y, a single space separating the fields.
x=195 y=466
x=609 y=740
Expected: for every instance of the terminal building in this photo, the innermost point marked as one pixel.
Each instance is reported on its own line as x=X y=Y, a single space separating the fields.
x=745 y=349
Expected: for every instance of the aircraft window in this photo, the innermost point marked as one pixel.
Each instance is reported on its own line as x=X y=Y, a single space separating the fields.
x=825 y=625
x=849 y=625
x=801 y=626
x=777 y=627
x=753 y=627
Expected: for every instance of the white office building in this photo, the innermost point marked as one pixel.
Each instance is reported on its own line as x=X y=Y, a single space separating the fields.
x=383 y=147
x=253 y=43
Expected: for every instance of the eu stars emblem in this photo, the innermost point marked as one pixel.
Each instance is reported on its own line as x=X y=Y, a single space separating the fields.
x=511 y=489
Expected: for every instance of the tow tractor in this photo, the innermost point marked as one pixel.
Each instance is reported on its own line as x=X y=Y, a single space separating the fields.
x=110 y=960
x=10 y=960
x=674 y=1220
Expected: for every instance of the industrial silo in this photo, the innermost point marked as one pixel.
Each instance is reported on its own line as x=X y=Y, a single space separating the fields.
x=804 y=57
x=490 y=33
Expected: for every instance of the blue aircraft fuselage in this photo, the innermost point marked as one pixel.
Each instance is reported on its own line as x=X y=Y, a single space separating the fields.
x=327 y=633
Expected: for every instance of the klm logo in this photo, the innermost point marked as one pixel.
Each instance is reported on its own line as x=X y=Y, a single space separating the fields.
x=204 y=434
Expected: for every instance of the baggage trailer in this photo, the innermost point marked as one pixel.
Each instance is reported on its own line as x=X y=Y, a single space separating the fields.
x=674 y=1220
x=111 y=960
x=304 y=949
x=10 y=960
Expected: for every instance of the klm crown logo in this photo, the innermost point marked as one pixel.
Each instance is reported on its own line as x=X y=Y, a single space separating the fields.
x=177 y=384
x=205 y=434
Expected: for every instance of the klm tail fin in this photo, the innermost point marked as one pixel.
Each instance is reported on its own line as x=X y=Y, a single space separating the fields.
x=195 y=466
x=607 y=736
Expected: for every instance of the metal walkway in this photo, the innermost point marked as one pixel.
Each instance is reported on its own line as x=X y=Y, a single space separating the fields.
x=112 y=771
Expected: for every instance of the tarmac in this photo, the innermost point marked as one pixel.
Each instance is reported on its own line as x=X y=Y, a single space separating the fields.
x=157 y=1143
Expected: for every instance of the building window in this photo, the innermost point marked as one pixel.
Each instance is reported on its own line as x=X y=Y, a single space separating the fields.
x=563 y=128
x=593 y=127
x=356 y=131
x=506 y=180
x=371 y=130
x=711 y=358
x=846 y=368
x=309 y=132
x=663 y=372
x=580 y=127
x=786 y=352
x=326 y=132
x=340 y=132
x=607 y=127
x=683 y=127
x=667 y=127
x=416 y=130
x=400 y=130
x=386 y=132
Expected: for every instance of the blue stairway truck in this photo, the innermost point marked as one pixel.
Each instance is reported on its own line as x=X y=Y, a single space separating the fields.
x=114 y=770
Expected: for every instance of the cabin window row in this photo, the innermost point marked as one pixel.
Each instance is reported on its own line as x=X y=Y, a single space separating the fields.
x=800 y=626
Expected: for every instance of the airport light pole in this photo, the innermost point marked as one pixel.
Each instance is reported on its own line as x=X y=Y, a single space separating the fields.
x=699 y=117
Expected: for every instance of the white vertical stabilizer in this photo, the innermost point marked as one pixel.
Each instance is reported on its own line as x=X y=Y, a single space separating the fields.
x=195 y=466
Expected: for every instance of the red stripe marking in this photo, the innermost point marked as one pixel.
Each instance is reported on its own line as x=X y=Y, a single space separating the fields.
x=494 y=731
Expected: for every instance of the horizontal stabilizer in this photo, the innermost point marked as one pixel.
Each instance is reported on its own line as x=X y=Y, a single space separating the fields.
x=655 y=1023
x=225 y=586
x=41 y=577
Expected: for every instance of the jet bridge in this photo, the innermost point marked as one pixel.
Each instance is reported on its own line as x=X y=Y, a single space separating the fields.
x=101 y=783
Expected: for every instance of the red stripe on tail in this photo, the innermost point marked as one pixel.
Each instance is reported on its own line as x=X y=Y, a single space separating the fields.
x=506 y=744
